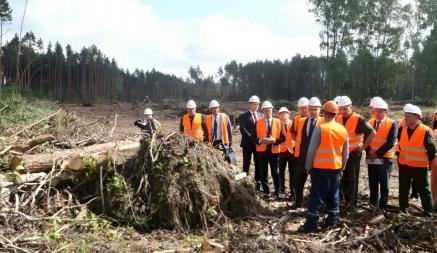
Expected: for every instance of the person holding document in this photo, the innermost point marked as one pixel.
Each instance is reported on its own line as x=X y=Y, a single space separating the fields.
x=380 y=154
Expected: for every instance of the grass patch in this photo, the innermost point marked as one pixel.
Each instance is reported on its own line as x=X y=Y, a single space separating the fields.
x=17 y=110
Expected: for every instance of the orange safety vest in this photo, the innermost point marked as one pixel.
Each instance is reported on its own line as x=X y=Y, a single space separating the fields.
x=381 y=136
x=299 y=128
x=329 y=152
x=261 y=132
x=401 y=124
x=296 y=119
x=223 y=128
x=351 y=125
x=288 y=144
x=412 y=151
x=195 y=129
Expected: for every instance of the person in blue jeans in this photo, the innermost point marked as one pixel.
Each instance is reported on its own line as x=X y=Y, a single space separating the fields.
x=327 y=155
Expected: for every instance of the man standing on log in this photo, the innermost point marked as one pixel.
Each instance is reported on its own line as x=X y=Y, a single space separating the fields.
x=303 y=130
x=247 y=122
x=267 y=140
x=220 y=131
x=325 y=161
x=380 y=154
x=360 y=135
x=193 y=123
x=417 y=149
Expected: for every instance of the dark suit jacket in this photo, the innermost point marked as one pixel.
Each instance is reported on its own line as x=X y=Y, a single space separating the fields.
x=248 y=129
x=305 y=140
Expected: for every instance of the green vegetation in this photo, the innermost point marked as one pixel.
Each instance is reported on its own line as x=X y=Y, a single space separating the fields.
x=17 y=110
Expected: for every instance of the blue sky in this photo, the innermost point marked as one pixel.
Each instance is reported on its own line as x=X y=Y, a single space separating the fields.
x=171 y=36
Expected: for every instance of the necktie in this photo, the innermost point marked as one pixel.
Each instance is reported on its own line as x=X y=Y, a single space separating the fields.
x=311 y=127
x=214 y=132
x=254 y=117
x=269 y=128
x=285 y=128
x=377 y=125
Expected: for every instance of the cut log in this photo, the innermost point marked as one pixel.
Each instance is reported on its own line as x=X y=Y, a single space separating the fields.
x=27 y=178
x=23 y=147
x=75 y=159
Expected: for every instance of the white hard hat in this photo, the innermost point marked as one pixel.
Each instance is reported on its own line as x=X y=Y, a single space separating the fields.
x=344 y=101
x=314 y=102
x=303 y=101
x=413 y=109
x=148 y=111
x=191 y=104
x=380 y=104
x=254 y=99
x=374 y=100
x=337 y=98
x=266 y=105
x=283 y=109
x=214 y=103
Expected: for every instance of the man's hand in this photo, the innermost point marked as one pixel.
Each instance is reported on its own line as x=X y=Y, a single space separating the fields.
x=359 y=148
x=372 y=154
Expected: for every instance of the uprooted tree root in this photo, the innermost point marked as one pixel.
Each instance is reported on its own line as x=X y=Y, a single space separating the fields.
x=184 y=184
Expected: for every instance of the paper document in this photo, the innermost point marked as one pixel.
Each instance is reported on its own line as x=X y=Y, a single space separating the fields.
x=376 y=161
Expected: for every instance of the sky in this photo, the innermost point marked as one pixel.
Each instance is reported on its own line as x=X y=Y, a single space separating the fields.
x=171 y=36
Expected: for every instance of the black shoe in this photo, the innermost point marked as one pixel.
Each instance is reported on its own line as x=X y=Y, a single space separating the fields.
x=303 y=229
x=329 y=226
x=258 y=187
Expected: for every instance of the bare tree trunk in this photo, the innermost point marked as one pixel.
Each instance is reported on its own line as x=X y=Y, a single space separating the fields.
x=19 y=45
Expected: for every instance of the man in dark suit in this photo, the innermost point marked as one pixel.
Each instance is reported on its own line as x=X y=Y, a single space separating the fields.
x=303 y=131
x=248 y=132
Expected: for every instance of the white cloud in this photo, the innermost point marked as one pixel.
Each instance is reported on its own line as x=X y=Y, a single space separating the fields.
x=136 y=37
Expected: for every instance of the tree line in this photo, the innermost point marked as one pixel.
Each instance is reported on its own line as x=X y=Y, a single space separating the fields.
x=384 y=48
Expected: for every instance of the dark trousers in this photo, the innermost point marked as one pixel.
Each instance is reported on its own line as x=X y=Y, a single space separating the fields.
x=418 y=176
x=325 y=192
x=286 y=158
x=350 y=180
x=264 y=160
x=249 y=151
x=379 y=182
x=229 y=154
x=300 y=179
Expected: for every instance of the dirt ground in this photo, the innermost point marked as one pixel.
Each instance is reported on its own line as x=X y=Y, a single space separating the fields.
x=265 y=234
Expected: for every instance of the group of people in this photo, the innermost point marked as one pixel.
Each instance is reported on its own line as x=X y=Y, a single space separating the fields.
x=327 y=148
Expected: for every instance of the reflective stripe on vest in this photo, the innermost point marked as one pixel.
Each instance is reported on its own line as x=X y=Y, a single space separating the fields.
x=381 y=136
x=355 y=140
x=299 y=128
x=329 y=152
x=223 y=128
x=261 y=132
x=193 y=129
x=412 y=151
x=288 y=144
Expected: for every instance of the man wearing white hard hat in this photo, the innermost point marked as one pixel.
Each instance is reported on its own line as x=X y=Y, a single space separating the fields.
x=302 y=105
x=303 y=131
x=286 y=151
x=149 y=124
x=193 y=123
x=380 y=154
x=247 y=122
x=219 y=129
x=372 y=103
x=267 y=140
x=360 y=135
x=417 y=150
